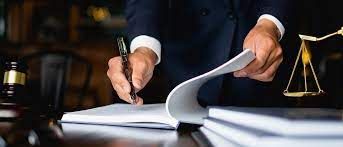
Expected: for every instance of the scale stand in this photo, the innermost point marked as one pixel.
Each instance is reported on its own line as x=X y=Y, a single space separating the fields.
x=304 y=50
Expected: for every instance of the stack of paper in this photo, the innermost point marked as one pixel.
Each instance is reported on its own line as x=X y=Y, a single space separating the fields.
x=275 y=126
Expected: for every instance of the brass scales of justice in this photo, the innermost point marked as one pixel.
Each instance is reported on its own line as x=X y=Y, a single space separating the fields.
x=304 y=53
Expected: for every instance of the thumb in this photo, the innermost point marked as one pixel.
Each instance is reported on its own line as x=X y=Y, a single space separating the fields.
x=138 y=74
x=142 y=69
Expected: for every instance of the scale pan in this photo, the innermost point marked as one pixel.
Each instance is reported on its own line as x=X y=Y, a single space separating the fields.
x=302 y=94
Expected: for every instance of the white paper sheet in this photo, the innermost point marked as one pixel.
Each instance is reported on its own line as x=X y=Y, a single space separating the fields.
x=182 y=101
x=150 y=116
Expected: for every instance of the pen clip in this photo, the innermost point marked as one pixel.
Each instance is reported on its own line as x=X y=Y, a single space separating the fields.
x=122 y=49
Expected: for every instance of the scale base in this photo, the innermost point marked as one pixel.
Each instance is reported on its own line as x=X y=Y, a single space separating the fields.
x=302 y=94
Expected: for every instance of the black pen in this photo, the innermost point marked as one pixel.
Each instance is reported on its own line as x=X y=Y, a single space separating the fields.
x=126 y=67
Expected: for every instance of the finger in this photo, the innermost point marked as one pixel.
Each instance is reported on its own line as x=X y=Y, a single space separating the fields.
x=262 y=55
x=138 y=77
x=115 y=64
x=116 y=75
x=268 y=63
x=126 y=96
x=252 y=68
x=139 y=101
x=269 y=74
x=141 y=74
x=119 y=79
x=250 y=43
x=144 y=83
x=123 y=95
x=146 y=80
x=275 y=55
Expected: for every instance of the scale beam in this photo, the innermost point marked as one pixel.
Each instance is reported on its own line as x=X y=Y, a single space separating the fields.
x=312 y=38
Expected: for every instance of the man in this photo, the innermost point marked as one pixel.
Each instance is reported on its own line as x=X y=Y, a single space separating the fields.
x=191 y=37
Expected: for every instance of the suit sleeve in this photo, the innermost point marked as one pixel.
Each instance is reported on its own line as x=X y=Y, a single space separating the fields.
x=145 y=17
x=281 y=9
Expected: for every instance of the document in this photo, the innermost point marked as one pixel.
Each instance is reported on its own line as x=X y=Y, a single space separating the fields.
x=251 y=137
x=149 y=116
x=284 y=121
x=216 y=140
x=181 y=104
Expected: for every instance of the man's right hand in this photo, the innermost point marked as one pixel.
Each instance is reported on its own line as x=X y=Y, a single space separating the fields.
x=142 y=63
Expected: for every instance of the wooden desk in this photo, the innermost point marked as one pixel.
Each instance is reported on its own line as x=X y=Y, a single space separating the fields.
x=83 y=135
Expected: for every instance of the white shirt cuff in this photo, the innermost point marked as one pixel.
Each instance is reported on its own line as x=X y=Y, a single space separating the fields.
x=278 y=24
x=149 y=42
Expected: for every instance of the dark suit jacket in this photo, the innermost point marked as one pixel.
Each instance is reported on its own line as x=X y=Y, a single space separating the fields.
x=199 y=35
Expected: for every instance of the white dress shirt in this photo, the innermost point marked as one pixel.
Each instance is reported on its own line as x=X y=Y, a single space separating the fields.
x=155 y=45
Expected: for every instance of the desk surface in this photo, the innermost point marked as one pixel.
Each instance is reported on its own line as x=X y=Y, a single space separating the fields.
x=105 y=136
x=113 y=136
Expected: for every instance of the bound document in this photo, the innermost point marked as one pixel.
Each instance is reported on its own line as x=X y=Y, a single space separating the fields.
x=216 y=131
x=181 y=104
x=284 y=121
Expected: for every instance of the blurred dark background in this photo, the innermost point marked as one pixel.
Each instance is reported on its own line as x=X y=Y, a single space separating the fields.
x=83 y=31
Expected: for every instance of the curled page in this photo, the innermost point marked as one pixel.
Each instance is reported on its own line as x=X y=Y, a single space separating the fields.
x=182 y=103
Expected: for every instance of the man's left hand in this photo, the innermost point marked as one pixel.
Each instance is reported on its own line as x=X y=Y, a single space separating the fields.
x=263 y=41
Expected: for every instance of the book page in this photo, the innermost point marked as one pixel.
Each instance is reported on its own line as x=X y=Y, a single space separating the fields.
x=182 y=103
x=151 y=116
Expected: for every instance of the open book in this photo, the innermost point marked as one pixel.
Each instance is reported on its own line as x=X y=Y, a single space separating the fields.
x=181 y=104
